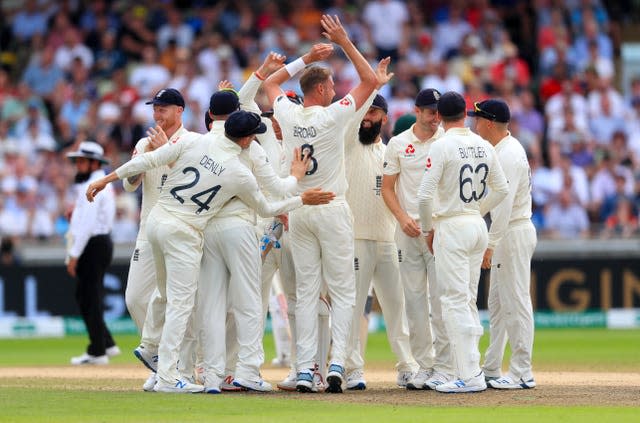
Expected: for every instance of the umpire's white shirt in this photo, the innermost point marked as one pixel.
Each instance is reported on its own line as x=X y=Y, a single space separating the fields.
x=152 y=180
x=90 y=219
x=406 y=156
x=206 y=174
x=517 y=205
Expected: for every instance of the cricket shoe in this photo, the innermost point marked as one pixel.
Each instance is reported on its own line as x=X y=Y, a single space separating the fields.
x=150 y=383
x=419 y=379
x=318 y=382
x=355 y=381
x=304 y=381
x=180 y=387
x=259 y=385
x=437 y=378
x=90 y=359
x=227 y=385
x=288 y=383
x=147 y=357
x=211 y=383
x=488 y=378
x=335 y=377
x=113 y=351
x=474 y=384
x=404 y=376
x=508 y=382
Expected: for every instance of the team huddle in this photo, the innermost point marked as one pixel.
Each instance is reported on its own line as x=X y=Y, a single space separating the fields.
x=405 y=218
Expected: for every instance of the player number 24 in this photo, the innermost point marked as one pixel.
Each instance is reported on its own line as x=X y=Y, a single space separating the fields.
x=209 y=193
x=468 y=190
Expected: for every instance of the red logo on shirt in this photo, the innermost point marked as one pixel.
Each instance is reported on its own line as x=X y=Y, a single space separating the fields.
x=345 y=101
x=176 y=140
x=410 y=149
x=428 y=162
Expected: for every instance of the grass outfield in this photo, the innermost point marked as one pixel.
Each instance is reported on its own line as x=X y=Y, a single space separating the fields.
x=86 y=400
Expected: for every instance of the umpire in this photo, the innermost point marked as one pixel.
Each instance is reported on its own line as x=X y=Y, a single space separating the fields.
x=90 y=250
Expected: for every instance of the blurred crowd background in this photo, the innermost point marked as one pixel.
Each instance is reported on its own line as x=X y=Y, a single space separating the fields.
x=77 y=70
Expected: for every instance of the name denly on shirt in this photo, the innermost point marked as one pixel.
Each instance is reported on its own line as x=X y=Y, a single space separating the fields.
x=215 y=167
x=472 y=152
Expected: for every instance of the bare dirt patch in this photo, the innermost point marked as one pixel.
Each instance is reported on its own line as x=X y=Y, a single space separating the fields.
x=554 y=388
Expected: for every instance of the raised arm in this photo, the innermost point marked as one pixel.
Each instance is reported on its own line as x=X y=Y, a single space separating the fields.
x=334 y=31
x=247 y=93
x=271 y=85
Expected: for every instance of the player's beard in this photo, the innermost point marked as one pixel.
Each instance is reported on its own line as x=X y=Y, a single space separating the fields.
x=369 y=135
x=82 y=177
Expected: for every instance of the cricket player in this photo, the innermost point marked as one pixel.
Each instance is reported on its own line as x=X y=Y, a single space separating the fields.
x=322 y=237
x=512 y=240
x=168 y=106
x=376 y=258
x=204 y=177
x=404 y=162
x=461 y=170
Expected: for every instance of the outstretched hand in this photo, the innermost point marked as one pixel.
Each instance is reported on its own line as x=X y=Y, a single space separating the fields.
x=333 y=29
x=381 y=72
x=94 y=188
x=157 y=137
x=315 y=196
x=319 y=52
x=225 y=85
x=272 y=63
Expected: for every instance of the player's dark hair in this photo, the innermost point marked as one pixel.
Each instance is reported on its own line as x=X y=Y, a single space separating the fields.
x=453 y=118
x=312 y=76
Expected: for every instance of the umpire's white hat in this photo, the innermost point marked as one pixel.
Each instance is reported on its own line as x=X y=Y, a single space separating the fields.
x=89 y=150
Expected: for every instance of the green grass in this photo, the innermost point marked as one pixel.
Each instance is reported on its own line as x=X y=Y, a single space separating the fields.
x=554 y=349
x=68 y=401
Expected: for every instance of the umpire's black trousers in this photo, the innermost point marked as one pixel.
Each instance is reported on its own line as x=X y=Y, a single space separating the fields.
x=92 y=265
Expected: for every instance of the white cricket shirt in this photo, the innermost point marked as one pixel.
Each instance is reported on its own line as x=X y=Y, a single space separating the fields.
x=460 y=169
x=517 y=205
x=406 y=156
x=206 y=174
x=152 y=180
x=319 y=131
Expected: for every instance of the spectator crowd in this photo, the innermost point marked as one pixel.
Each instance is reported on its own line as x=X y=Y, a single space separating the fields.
x=82 y=70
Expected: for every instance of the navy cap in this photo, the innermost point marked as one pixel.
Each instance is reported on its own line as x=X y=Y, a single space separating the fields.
x=242 y=123
x=428 y=97
x=493 y=109
x=451 y=104
x=166 y=97
x=380 y=103
x=224 y=102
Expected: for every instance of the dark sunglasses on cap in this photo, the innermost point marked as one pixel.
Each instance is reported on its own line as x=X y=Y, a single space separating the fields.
x=482 y=113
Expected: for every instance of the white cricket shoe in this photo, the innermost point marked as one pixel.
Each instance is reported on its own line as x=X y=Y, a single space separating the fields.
x=90 y=359
x=355 y=380
x=404 y=376
x=474 y=384
x=318 y=382
x=180 y=387
x=150 y=383
x=211 y=383
x=437 y=378
x=508 y=382
x=227 y=385
x=335 y=377
x=259 y=385
x=147 y=357
x=113 y=351
x=418 y=380
x=289 y=382
x=304 y=381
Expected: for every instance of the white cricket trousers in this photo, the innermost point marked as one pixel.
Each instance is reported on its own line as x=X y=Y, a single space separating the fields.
x=459 y=245
x=378 y=262
x=141 y=282
x=510 y=310
x=322 y=248
x=417 y=270
x=230 y=281
x=177 y=251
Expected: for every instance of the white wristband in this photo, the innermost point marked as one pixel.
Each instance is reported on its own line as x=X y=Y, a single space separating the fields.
x=295 y=66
